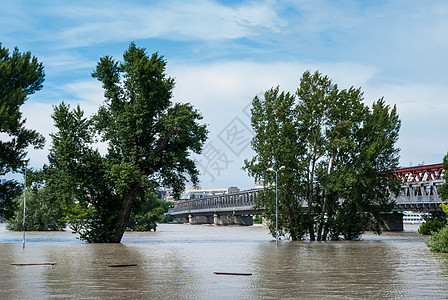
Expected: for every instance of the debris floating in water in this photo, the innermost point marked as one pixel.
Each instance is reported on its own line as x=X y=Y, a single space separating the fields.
x=234 y=274
x=35 y=264
x=122 y=266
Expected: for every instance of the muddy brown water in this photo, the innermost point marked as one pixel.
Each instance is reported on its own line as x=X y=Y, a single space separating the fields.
x=180 y=262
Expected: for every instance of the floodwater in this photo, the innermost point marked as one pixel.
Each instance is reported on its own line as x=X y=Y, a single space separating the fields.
x=179 y=261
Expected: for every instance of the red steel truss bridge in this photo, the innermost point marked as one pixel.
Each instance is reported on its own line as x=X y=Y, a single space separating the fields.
x=420 y=188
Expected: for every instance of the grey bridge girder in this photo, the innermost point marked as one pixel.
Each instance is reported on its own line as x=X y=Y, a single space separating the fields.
x=238 y=206
x=240 y=201
x=416 y=195
x=419 y=196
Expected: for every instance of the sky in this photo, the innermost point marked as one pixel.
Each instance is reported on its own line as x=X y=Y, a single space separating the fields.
x=224 y=53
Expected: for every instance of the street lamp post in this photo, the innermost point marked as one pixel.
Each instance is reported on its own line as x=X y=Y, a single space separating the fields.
x=25 y=163
x=276 y=201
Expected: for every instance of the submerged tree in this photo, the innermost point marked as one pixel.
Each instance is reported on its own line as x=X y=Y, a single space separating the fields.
x=276 y=144
x=367 y=178
x=149 y=141
x=343 y=154
x=438 y=241
x=21 y=75
x=145 y=216
x=43 y=211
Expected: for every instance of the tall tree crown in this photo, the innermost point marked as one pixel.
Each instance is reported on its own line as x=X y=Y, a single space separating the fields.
x=150 y=140
x=21 y=75
x=338 y=155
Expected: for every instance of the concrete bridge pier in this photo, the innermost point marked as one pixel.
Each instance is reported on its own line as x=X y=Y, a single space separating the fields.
x=246 y=220
x=393 y=222
x=198 y=219
x=181 y=220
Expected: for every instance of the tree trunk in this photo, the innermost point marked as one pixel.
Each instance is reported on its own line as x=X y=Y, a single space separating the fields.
x=322 y=219
x=123 y=215
x=311 y=188
x=292 y=225
x=325 y=234
x=322 y=236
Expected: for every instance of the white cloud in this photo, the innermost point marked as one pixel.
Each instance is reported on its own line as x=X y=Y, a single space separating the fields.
x=88 y=93
x=222 y=90
x=63 y=62
x=422 y=110
x=395 y=49
x=172 y=20
x=229 y=83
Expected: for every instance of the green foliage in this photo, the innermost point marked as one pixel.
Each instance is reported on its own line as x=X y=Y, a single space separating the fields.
x=21 y=75
x=276 y=143
x=258 y=219
x=147 y=221
x=9 y=191
x=338 y=156
x=443 y=190
x=166 y=217
x=149 y=138
x=78 y=217
x=145 y=215
x=431 y=226
x=444 y=207
x=42 y=212
x=436 y=215
x=438 y=242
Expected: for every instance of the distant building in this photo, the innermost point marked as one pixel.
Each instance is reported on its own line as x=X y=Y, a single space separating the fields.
x=162 y=194
x=259 y=184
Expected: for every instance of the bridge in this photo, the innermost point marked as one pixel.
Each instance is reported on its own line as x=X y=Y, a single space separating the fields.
x=420 y=188
x=419 y=192
x=233 y=208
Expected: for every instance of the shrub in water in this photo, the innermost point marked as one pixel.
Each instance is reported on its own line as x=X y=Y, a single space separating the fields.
x=258 y=219
x=430 y=226
x=438 y=242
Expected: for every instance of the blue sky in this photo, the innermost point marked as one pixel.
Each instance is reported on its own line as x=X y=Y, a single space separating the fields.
x=223 y=53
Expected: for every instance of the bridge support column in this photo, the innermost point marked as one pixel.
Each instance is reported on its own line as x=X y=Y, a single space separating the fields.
x=246 y=220
x=393 y=222
x=180 y=220
x=215 y=219
x=200 y=219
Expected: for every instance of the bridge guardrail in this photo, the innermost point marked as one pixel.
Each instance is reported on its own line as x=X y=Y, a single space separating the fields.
x=412 y=194
x=239 y=199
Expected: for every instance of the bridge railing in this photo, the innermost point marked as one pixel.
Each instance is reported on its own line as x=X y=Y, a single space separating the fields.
x=239 y=199
x=417 y=193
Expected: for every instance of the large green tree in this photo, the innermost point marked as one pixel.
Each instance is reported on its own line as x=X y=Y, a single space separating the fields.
x=364 y=179
x=149 y=138
x=317 y=98
x=21 y=75
x=276 y=144
x=342 y=153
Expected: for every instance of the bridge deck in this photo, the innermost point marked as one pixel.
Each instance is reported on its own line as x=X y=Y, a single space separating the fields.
x=414 y=195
